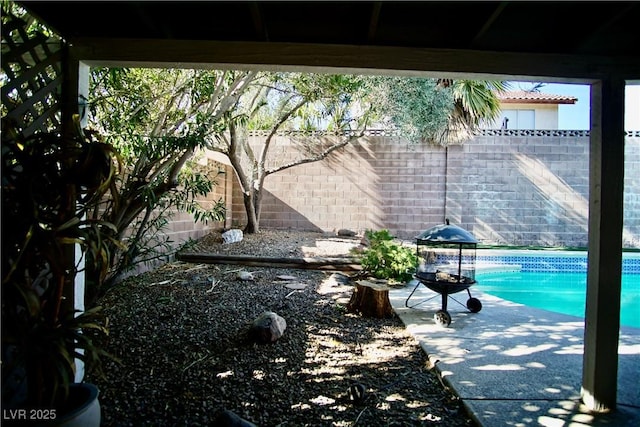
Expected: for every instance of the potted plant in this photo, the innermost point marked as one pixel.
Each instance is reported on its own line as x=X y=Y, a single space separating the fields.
x=49 y=183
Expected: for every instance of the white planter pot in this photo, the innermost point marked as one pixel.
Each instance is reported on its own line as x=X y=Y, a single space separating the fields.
x=85 y=407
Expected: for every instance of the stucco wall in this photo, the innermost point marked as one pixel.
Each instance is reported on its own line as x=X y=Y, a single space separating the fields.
x=546 y=115
x=517 y=190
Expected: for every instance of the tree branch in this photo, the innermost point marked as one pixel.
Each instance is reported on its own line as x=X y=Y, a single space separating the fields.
x=177 y=166
x=246 y=147
x=216 y=93
x=235 y=159
x=231 y=95
x=274 y=129
x=317 y=157
x=161 y=123
x=252 y=104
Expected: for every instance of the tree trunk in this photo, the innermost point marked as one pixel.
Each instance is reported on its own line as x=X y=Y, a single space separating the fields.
x=371 y=300
x=252 y=206
x=253 y=222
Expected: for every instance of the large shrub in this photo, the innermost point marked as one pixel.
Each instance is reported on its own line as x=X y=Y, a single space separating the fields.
x=386 y=259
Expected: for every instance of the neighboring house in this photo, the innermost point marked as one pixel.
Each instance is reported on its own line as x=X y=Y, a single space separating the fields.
x=529 y=110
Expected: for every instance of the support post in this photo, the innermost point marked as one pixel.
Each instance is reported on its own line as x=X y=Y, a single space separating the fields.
x=604 y=271
x=68 y=107
x=75 y=88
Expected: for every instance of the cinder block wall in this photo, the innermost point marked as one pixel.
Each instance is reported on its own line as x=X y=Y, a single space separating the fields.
x=516 y=190
x=376 y=183
x=527 y=190
x=631 y=231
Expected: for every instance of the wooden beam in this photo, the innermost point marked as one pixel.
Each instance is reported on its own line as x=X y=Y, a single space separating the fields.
x=489 y=22
x=604 y=270
x=444 y=63
x=373 y=21
x=328 y=264
x=597 y=33
x=258 y=22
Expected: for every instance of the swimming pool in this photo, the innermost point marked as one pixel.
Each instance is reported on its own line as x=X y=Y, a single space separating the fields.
x=554 y=281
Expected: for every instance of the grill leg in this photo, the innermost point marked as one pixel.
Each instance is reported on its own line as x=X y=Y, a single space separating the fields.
x=406 y=303
x=445 y=297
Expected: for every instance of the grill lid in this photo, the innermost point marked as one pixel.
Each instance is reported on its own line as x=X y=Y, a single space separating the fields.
x=446 y=233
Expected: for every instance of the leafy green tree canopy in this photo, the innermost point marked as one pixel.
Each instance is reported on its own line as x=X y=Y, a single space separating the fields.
x=152 y=117
x=436 y=111
x=417 y=108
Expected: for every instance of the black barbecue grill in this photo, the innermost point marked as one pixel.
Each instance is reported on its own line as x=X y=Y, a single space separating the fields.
x=446 y=265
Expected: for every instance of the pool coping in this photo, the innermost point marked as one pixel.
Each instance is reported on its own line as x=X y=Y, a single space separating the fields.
x=514 y=365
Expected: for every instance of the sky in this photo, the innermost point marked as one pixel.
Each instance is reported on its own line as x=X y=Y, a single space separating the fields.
x=576 y=116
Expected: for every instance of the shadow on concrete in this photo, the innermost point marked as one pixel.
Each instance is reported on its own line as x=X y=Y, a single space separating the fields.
x=514 y=365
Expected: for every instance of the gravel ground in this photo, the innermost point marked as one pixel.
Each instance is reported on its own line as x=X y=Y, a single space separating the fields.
x=181 y=334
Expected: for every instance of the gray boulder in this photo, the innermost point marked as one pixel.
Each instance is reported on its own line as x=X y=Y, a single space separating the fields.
x=268 y=327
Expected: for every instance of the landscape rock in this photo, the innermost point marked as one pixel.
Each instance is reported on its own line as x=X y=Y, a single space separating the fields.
x=245 y=275
x=268 y=327
x=232 y=236
x=343 y=232
x=228 y=418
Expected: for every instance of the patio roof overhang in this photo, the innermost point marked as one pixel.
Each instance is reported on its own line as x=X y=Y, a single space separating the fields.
x=585 y=28
x=581 y=42
x=547 y=40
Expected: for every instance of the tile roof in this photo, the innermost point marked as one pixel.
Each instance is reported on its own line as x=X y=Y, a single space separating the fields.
x=524 y=97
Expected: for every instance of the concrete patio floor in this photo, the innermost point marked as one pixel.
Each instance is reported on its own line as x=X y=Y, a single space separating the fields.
x=514 y=365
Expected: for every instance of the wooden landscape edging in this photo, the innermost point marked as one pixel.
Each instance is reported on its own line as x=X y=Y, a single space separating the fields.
x=331 y=264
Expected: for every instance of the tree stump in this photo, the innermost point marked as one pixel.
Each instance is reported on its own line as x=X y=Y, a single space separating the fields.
x=370 y=299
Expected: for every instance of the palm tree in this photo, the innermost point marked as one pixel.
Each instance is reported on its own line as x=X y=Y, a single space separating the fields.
x=475 y=101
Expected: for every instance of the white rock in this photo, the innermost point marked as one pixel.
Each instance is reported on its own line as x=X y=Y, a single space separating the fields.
x=232 y=236
x=296 y=286
x=244 y=275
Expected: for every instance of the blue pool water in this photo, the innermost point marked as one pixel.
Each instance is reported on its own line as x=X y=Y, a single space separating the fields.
x=556 y=284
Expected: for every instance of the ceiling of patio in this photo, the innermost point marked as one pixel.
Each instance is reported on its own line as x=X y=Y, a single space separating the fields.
x=579 y=28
